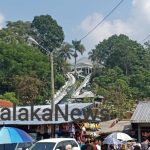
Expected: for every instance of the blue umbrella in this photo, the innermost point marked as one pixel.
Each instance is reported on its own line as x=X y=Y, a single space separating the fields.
x=111 y=140
x=10 y=135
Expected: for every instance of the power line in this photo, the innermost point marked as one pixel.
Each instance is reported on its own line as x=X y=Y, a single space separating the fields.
x=145 y=38
x=102 y=19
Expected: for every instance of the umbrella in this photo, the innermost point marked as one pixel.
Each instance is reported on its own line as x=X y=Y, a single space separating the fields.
x=10 y=135
x=111 y=140
x=120 y=136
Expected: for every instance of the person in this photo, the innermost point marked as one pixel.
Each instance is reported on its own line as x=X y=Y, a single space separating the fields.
x=68 y=147
x=149 y=146
x=98 y=144
x=111 y=147
x=78 y=138
x=87 y=147
x=144 y=144
x=137 y=147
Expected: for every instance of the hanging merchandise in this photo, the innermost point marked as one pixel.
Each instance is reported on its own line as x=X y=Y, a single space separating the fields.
x=42 y=130
x=57 y=128
x=38 y=129
x=73 y=129
x=64 y=127
x=67 y=127
x=83 y=129
x=87 y=125
x=49 y=129
x=92 y=126
x=98 y=126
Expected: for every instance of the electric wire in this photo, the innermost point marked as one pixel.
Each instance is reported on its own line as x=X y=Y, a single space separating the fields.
x=102 y=20
x=145 y=38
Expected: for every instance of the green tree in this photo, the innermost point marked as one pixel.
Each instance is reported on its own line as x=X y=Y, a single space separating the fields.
x=93 y=56
x=146 y=60
x=11 y=96
x=47 y=32
x=120 y=51
x=61 y=56
x=77 y=47
x=16 y=32
x=27 y=88
x=140 y=83
x=19 y=60
x=66 y=51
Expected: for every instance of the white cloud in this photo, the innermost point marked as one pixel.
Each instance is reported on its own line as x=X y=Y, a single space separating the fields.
x=136 y=26
x=103 y=31
x=1 y=20
x=142 y=8
x=106 y=29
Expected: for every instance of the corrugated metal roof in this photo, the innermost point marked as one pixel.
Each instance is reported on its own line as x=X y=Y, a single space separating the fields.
x=141 y=113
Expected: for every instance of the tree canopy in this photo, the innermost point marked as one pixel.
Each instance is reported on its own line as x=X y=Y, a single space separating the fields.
x=120 y=51
x=23 y=68
x=47 y=32
x=125 y=77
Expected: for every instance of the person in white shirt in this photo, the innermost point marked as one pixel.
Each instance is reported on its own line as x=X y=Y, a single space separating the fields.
x=98 y=144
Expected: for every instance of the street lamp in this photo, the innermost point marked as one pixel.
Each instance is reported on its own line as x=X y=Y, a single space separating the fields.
x=50 y=54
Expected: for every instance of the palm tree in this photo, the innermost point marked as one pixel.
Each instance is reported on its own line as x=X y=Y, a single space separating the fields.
x=93 y=56
x=62 y=55
x=65 y=51
x=77 y=47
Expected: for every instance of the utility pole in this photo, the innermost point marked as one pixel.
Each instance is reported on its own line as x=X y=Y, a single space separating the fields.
x=52 y=84
x=50 y=54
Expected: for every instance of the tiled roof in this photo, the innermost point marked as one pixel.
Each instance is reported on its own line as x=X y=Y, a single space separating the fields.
x=5 y=103
x=141 y=113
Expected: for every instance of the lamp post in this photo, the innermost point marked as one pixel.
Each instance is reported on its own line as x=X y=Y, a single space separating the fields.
x=50 y=54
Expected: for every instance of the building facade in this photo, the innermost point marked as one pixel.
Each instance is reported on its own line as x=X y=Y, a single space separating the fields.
x=140 y=121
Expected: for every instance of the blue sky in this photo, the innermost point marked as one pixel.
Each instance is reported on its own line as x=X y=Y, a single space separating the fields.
x=77 y=17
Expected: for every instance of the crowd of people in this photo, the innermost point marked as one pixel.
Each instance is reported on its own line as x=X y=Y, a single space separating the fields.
x=94 y=144
x=144 y=145
x=97 y=144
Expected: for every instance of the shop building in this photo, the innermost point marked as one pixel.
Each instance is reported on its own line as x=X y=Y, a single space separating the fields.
x=140 y=121
x=84 y=67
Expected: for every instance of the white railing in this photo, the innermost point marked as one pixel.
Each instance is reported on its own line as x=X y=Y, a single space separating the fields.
x=59 y=95
x=83 y=84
